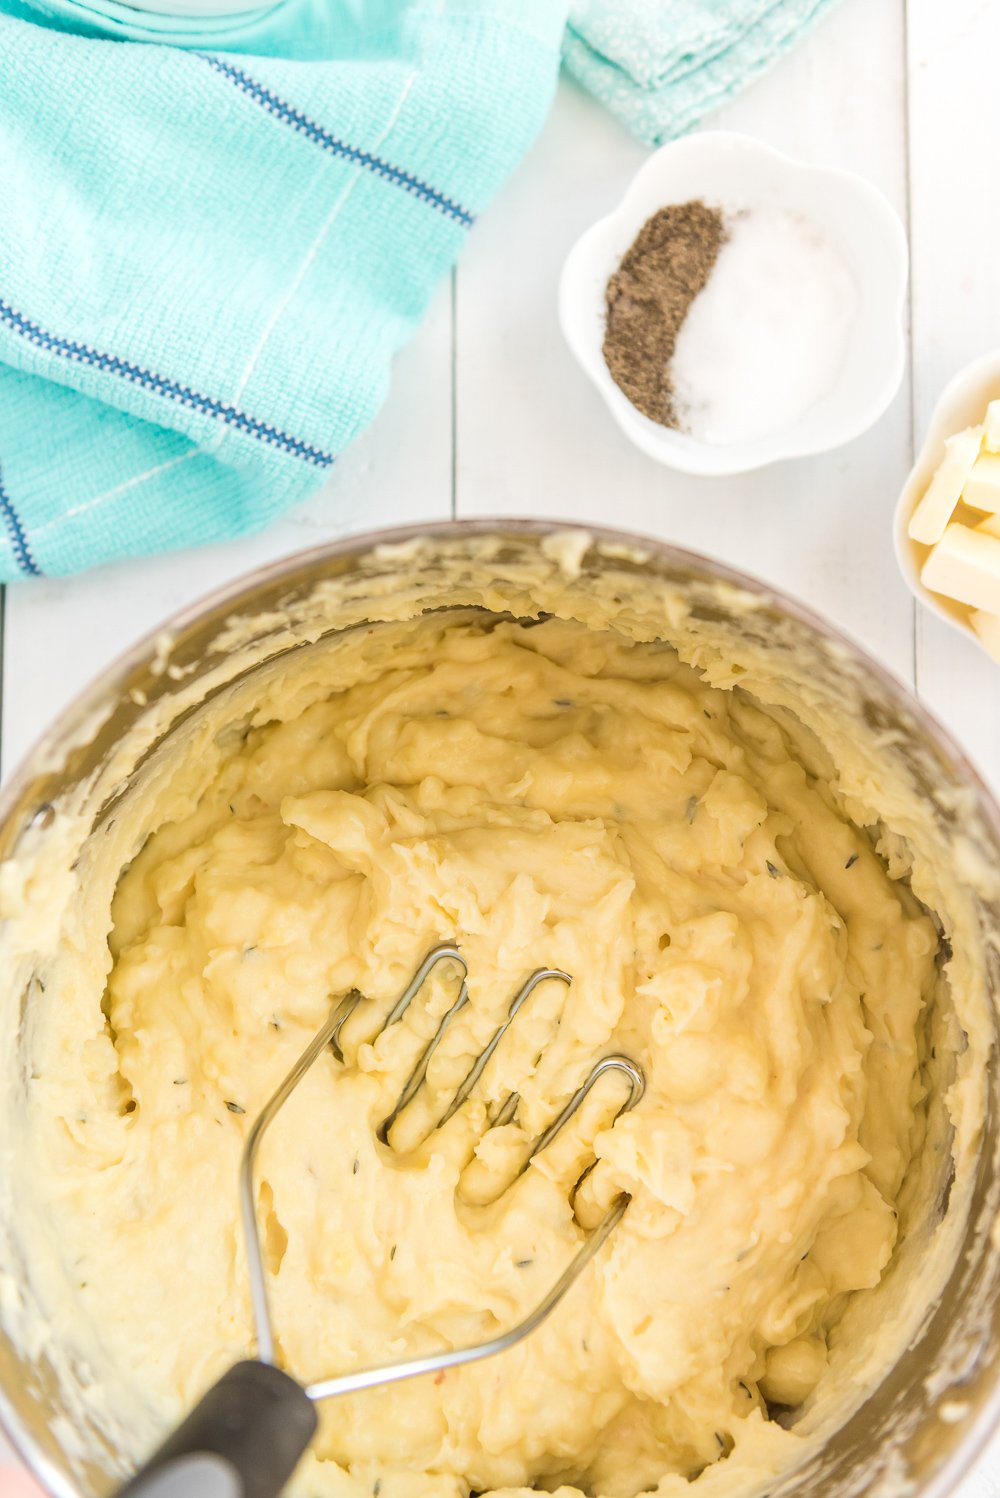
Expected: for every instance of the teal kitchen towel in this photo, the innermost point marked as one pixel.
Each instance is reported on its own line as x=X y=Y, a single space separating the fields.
x=216 y=232
x=660 y=65
x=208 y=258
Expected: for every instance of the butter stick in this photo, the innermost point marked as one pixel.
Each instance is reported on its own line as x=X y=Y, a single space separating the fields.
x=982 y=487
x=987 y=627
x=991 y=428
x=965 y=566
x=929 y=520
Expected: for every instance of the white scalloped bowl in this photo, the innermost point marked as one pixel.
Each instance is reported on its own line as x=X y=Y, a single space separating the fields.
x=961 y=404
x=733 y=171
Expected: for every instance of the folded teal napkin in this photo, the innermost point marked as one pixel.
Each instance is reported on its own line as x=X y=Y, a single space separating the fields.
x=660 y=65
x=208 y=258
x=215 y=233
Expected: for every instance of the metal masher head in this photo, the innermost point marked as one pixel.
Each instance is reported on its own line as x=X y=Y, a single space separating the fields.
x=329 y=1035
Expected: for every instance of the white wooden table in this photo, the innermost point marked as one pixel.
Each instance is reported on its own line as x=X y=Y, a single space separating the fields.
x=489 y=415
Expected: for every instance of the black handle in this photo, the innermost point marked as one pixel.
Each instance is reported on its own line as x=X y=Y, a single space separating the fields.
x=242 y=1440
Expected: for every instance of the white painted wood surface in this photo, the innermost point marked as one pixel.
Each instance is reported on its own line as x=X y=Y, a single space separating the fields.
x=489 y=414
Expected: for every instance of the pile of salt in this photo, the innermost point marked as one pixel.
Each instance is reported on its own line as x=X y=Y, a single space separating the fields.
x=766 y=338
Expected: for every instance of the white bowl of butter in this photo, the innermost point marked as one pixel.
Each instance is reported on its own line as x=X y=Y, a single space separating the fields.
x=815 y=267
x=947 y=526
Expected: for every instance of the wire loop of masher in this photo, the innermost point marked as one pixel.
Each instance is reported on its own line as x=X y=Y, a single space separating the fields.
x=329 y=1034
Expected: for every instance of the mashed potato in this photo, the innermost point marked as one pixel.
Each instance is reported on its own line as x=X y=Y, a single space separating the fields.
x=543 y=794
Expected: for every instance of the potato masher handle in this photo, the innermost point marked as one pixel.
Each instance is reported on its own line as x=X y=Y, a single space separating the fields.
x=242 y=1440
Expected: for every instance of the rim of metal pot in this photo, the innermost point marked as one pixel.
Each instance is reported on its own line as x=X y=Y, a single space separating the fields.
x=227 y=597
x=227 y=594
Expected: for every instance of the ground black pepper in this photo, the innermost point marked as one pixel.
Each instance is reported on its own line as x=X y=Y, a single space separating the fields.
x=648 y=298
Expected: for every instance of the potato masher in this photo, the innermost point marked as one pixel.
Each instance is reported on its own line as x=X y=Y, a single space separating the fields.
x=246 y=1435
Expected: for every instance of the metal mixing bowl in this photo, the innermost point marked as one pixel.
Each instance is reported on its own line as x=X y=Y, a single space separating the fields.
x=920 y=1428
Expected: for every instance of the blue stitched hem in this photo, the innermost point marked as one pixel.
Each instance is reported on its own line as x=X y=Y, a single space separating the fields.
x=18 y=536
x=314 y=132
x=82 y=353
